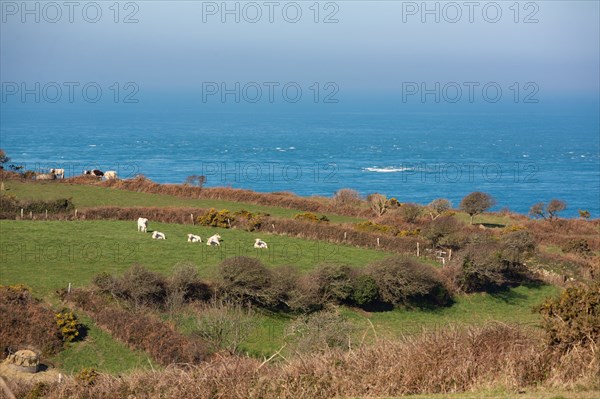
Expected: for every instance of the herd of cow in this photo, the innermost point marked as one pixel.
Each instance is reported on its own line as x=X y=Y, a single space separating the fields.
x=142 y=226
x=60 y=174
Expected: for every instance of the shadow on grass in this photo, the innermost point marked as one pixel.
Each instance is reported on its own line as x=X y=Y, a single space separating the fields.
x=493 y=225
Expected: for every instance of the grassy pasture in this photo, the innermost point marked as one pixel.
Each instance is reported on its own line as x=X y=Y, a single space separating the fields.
x=85 y=196
x=48 y=255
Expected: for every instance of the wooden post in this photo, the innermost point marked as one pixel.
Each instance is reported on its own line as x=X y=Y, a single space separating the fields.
x=75 y=213
x=449 y=254
x=345 y=235
x=69 y=288
x=21 y=213
x=273 y=226
x=377 y=241
x=418 y=249
x=192 y=217
x=46 y=213
x=31 y=215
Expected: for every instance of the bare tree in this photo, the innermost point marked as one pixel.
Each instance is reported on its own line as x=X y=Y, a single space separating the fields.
x=346 y=196
x=195 y=180
x=554 y=207
x=378 y=203
x=476 y=203
x=538 y=210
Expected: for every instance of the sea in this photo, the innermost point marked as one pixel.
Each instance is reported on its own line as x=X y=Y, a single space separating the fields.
x=519 y=156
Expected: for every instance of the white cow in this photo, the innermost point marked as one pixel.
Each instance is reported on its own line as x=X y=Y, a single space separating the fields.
x=58 y=172
x=157 y=235
x=260 y=244
x=194 y=238
x=214 y=240
x=143 y=224
x=110 y=175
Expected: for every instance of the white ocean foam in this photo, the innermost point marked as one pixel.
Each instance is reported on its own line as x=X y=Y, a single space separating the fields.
x=387 y=169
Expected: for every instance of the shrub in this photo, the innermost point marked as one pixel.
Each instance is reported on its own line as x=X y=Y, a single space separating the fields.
x=406 y=282
x=186 y=283
x=143 y=287
x=246 y=280
x=334 y=282
x=311 y=217
x=517 y=245
x=573 y=319
x=319 y=332
x=214 y=218
x=225 y=325
x=68 y=324
x=578 y=246
x=26 y=321
x=249 y=221
x=346 y=197
x=441 y=230
x=365 y=292
x=410 y=212
x=305 y=296
x=374 y=227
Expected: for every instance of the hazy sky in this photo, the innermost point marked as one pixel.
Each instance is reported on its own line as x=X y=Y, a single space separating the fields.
x=374 y=46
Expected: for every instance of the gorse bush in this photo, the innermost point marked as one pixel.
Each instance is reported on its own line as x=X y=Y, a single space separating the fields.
x=311 y=217
x=573 y=319
x=69 y=325
x=214 y=218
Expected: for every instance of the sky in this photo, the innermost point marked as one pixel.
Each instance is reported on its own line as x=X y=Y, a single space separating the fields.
x=372 y=48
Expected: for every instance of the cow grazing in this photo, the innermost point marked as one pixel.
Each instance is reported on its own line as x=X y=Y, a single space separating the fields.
x=260 y=244
x=60 y=173
x=157 y=235
x=110 y=175
x=94 y=172
x=45 y=176
x=143 y=225
x=214 y=240
x=194 y=238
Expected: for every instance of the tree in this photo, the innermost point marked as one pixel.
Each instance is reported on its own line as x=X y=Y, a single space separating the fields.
x=554 y=207
x=476 y=203
x=437 y=207
x=195 y=180
x=346 y=196
x=537 y=210
x=550 y=211
x=378 y=203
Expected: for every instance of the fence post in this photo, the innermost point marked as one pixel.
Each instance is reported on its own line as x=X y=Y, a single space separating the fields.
x=377 y=241
x=418 y=250
x=21 y=213
x=449 y=254
x=192 y=217
x=345 y=235
x=46 y=213
x=75 y=213
x=31 y=215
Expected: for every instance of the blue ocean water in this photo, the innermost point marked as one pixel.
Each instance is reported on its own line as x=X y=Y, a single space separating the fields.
x=519 y=158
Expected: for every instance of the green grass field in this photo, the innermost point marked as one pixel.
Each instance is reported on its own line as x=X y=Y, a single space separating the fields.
x=48 y=255
x=85 y=196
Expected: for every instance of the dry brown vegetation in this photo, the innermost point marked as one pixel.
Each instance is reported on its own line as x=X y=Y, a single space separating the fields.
x=452 y=360
x=139 y=330
x=26 y=322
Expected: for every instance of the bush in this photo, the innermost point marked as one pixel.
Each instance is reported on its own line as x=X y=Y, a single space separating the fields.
x=410 y=212
x=68 y=324
x=26 y=321
x=185 y=285
x=249 y=221
x=246 y=280
x=573 y=319
x=11 y=205
x=443 y=231
x=319 y=332
x=225 y=325
x=214 y=218
x=577 y=246
x=517 y=245
x=305 y=296
x=365 y=292
x=346 y=197
x=137 y=285
x=311 y=217
x=374 y=227
x=406 y=282
x=334 y=283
